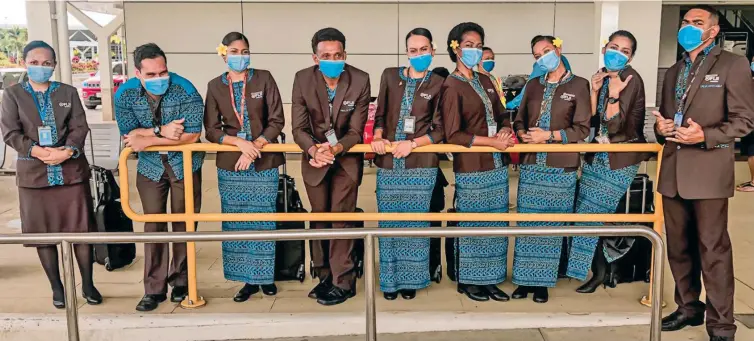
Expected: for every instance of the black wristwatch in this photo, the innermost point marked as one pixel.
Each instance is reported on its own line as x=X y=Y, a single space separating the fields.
x=612 y=100
x=156 y=131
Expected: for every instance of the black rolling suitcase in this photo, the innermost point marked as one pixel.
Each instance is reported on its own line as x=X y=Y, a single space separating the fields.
x=436 y=205
x=109 y=217
x=451 y=245
x=289 y=254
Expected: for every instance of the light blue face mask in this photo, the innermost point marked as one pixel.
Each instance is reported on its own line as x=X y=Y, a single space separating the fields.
x=752 y=66
x=239 y=62
x=40 y=74
x=420 y=63
x=332 y=68
x=471 y=56
x=615 y=60
x=488 y=65
x=157 y=86
x=690 y=37
x=550 y=61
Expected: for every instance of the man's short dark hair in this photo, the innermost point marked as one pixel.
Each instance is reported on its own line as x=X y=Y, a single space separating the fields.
x=713 y=14
x=328 y=34
x=147 y=51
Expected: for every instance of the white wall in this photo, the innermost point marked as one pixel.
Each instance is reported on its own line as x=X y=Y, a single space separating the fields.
x=643 y=20
x=671 y=22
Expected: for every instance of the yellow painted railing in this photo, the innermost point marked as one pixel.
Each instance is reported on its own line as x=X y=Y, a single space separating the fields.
x=194 y=300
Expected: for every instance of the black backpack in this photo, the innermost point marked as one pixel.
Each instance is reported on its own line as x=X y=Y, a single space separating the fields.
x=109 y=217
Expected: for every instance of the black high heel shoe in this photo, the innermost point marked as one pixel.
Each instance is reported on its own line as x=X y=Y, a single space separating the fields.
x=521 y=292
x=246 y=292
x=408 y=294
x=599 y=272
x=496 y=294
x=269 y=289
x=473 y=292
x=58 y=299
x=93 y=297
x=390 y=296
x=541 y=295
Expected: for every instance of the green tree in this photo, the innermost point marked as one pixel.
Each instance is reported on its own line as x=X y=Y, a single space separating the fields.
x=13 y=40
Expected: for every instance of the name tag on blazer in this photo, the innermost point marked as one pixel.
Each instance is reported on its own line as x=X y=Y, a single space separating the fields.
x=711 y=81
x=257 y=95
x=567 y=97
x=347 y=106
x=425 y=96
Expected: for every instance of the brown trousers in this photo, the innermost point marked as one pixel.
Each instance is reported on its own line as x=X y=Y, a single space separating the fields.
x=336 y=193
x=699 y=248
x=154 y=199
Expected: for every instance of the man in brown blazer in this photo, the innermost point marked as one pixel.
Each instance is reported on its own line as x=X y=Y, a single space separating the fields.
x=707 y=102
x=329 y=111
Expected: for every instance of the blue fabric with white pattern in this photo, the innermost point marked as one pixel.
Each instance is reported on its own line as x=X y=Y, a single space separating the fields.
x=248 y=191
x=43 y=98
x=237 y=97
x=482 y=260
x=404 y=262
x=542 y=189
x=181 y=100
x=600 y=190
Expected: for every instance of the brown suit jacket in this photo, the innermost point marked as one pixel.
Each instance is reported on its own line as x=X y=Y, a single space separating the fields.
x=19 y=122
x=571 y=112
x=721 y=100
x=265 y=110
x=628 y=124
x=424 y=108
x=311 y=118
x=464 y=117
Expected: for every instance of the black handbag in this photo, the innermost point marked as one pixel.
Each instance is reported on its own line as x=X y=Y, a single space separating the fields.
x=109 y=217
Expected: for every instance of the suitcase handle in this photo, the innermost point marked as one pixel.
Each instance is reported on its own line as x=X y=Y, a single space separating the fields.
x=285 y=176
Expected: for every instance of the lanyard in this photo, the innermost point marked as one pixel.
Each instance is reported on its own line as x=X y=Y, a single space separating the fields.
x=239 y=116
x=405 y=91
x=548 y=101
x=36 y=102
x=682 y=100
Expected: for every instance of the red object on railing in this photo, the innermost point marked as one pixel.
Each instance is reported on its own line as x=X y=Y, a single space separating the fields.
x=369 y=129
x=515 y=158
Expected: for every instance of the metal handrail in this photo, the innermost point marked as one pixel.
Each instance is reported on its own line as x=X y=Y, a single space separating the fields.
x=68 y=239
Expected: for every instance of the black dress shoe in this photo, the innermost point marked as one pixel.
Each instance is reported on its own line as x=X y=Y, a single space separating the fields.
x=246 y=291
x=336 y=295
x=408 y=294
x=93 y=297
x=722 y=338
x=150 y=302
x=390 y=296
x=269 y=289
x=321 y=289
x=473 y=292
x=521 y=292
x=496 y=294
x=541 y=295
x=178 y=294
x=678 y=321
x=599 y=271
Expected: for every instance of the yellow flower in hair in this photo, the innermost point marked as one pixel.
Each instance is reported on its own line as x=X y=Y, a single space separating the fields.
x=454 y=44
x=222 y=50
x=434 y=46
x=557 y=42
x=604 y=42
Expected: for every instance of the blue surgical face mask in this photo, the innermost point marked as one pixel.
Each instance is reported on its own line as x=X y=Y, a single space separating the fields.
x=239 y=62
x=157 y=86
x=690 y=37
x=550 y=61
x=421 y=63
x=332 y=68
x=488 y=65
x=471 y=56
x=615 y=60
x=40 y=74
x=752 y=66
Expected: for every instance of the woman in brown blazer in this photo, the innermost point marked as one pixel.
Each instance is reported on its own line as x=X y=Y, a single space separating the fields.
x=45 y=123
x=474 y=116
x=618 y=111
x=243 y=109
x=407 y=118
x=554 y=109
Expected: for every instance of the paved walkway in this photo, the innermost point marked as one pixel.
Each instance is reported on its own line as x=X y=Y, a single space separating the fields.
x=24 y=289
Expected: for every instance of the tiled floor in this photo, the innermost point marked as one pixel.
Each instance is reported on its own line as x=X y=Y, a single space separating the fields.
x=24 y=289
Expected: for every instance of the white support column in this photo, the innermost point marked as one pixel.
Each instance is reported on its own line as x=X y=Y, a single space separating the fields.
x=643 y=19
x=64 y=45
x=105 y=63
x=608 y=13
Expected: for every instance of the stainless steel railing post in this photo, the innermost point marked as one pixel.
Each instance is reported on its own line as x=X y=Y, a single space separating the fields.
x=369 y=288
x=71 y=313
x=655 y=328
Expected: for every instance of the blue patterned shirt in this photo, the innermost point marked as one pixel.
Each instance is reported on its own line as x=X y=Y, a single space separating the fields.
x=681 y=83
x=132 y=111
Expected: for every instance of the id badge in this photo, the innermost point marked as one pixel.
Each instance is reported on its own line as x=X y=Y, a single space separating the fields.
x=678 y=119
x=492 y=130
x=602 y=139
x=331 y=138
x=408 y=125
x=241 y=135
x=45 y=136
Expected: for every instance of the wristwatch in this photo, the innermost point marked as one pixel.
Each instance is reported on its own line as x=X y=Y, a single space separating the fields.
x=552 y=137
x=413 y=144
x=612 y=100
x=156 y=131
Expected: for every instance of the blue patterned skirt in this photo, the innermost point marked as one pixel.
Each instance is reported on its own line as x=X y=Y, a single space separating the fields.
x=404 y=262
x=600 y=190
x=248 y=191
x=482 y=260
x=541 y=189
